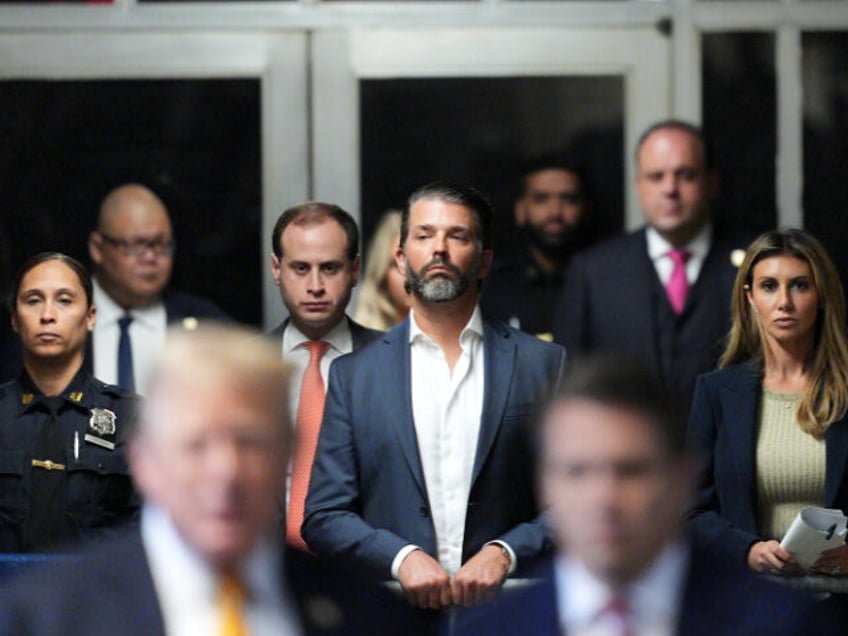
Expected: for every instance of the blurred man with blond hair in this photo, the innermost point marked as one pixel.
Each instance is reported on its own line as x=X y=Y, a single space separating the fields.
x=209 y=456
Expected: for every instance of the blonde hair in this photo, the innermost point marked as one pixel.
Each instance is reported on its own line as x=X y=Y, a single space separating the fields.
x=826 y=397
x=214 y=354
x=374 y=308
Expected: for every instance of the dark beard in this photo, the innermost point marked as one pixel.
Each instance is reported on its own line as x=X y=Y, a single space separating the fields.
x=557 y=248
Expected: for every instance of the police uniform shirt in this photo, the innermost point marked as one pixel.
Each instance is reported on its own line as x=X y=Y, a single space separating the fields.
x=78 y=472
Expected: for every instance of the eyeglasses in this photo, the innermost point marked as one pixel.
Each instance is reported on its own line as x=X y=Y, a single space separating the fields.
x=138 y=247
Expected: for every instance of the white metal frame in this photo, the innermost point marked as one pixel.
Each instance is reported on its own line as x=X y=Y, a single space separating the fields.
x=787 y=19
x=639 y=55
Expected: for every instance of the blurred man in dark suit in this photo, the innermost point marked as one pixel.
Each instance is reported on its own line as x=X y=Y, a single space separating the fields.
x=209 y=456
x=615 y=480
x=663 y=292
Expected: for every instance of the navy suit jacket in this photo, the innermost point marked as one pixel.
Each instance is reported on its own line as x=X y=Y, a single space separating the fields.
x=111 y=591
x=612 y=301
x=367 y=495
x=717 y=601
x=723 y=430
x=361 y=336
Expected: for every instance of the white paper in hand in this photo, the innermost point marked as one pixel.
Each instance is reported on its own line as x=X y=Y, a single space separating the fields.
x=814 y=531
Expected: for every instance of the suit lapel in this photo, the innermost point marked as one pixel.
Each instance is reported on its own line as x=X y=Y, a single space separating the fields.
x=277 y=332
x=740 y=402
x=836 y=450
x=397 y=366
x=357 y=335
x=499 y=353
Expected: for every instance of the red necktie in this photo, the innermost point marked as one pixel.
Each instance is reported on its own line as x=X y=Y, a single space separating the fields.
x=677 y=287
x=310 y=409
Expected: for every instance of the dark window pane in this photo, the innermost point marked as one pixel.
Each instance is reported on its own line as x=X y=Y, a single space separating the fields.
x=740 y=120
x=480 y=131
x=825 y=67
x=195 y=143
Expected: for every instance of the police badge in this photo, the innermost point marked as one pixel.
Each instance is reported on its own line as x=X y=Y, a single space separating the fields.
x=101 y=428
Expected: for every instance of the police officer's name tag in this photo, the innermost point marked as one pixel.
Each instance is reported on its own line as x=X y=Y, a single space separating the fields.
x=101 y=428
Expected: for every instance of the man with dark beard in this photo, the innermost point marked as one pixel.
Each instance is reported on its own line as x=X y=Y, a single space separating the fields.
x=552 y=210
x=424 y=473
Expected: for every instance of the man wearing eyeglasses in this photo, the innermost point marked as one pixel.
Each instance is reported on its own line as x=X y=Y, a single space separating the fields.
x=132 y=252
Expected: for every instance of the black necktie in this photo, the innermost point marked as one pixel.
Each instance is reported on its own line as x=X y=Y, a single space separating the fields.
x=126 y=379
x=47 y=523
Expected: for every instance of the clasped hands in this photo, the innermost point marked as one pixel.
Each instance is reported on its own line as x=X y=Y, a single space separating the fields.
x=426 y=583
x=769 y=556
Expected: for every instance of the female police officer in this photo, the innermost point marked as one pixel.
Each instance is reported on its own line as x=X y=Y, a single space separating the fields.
x=63 y=475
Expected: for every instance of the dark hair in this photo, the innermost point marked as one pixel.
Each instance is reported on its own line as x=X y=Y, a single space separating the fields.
x=466 y=196
x=627 y=384
x=313 y=212
x=553 y=161
x=684 y=126
x=42 y=257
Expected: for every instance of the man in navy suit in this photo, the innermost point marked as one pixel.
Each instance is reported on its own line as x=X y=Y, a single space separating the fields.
x=209 y=456
x=423 y=471
x=618 y=297
x=132 y=253
x=315 y=264
x=615 y=479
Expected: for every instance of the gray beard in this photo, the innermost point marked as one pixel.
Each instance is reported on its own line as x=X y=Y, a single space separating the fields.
x=441 y=289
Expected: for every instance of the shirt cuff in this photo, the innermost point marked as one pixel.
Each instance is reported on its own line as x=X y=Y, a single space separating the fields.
x=513 y=560
x=401 y=555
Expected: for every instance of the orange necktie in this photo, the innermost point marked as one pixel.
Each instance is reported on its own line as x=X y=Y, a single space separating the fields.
x=310 y=409
x=231 y=606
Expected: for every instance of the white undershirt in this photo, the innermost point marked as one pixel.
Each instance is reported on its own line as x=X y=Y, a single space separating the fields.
x=186 y=585
x=446 y=409
x=654 y=599
x=698 y=248
x=147 y=334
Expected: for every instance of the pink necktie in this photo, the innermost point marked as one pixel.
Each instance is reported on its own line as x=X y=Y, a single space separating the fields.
x=678 y=287
x=617 y=609
x=310 y=410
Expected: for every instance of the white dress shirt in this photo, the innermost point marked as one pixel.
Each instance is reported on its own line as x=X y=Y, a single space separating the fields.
x=186 y=585
x=653 y=600
x=698 y=248
x=446 y=408
x=147 y=334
